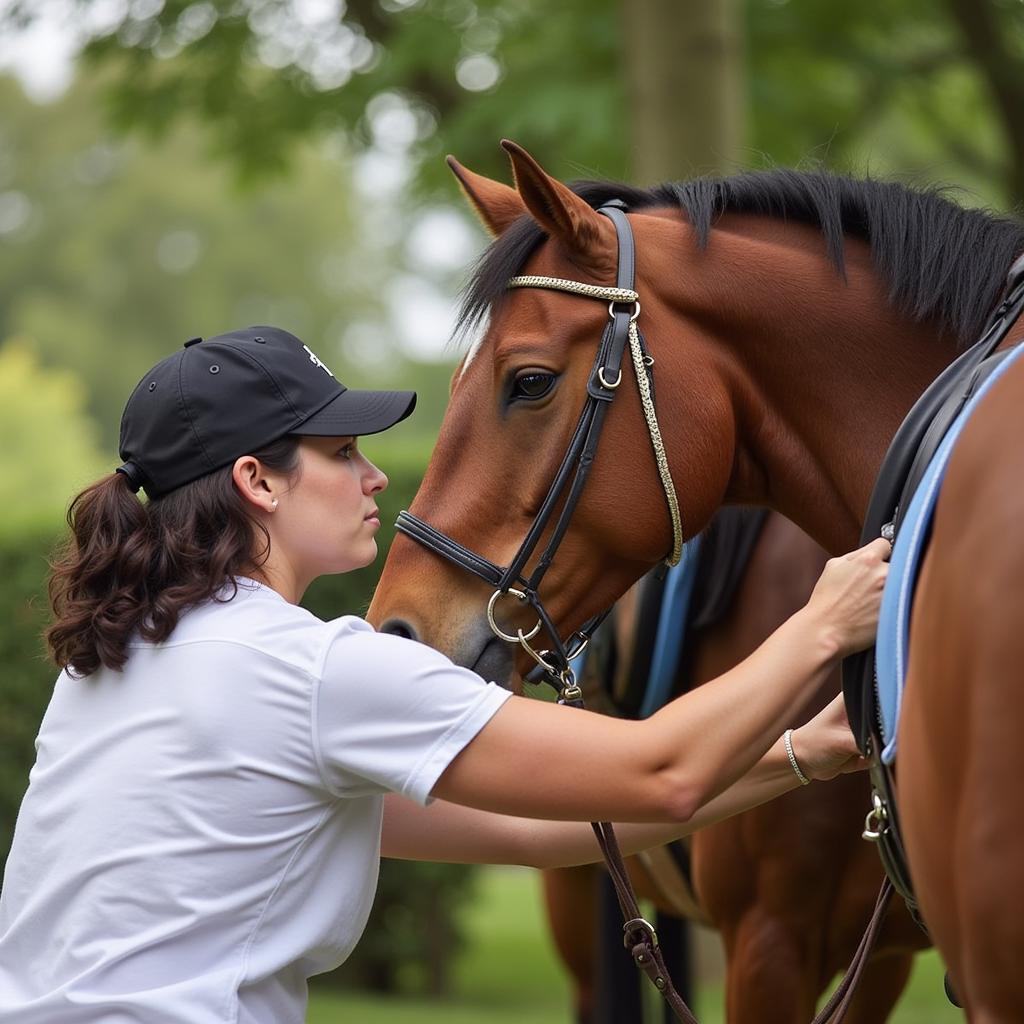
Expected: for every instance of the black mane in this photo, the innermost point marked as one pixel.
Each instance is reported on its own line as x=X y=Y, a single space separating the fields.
x=942 y=262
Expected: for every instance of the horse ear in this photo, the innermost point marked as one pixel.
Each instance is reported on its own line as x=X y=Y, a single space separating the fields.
x=495 y=204
x=562 y=213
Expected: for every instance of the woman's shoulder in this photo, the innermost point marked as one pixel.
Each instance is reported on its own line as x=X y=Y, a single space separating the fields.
x=250 y=616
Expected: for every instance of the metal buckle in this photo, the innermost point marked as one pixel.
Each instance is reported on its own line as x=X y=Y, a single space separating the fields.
x=876 y=824
x=636 y=924
x=498 y=631
x=604 y=383
x=537 y=656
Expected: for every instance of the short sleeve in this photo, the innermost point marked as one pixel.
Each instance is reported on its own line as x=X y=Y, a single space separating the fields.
x=391 y=714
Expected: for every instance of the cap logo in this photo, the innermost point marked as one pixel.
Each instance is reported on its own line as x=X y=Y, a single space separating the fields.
x=316 y=360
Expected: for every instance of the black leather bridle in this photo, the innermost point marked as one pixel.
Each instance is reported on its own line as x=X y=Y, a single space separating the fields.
x=571 y=476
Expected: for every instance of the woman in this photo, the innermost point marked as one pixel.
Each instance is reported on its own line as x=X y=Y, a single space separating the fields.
x=204 y=821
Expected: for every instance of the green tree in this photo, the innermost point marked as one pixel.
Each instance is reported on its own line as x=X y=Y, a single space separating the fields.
x=50 y=447
x=113 y=252
x=891 y=88
x=918 y=87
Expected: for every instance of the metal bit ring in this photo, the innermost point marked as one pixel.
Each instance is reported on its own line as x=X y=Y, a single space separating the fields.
x=497 y=630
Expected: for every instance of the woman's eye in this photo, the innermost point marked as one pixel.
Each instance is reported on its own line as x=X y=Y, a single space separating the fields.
x=347 y=452
x=532 y=385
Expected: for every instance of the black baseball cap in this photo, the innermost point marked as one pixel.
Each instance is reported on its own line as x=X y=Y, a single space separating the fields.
x=219 y=398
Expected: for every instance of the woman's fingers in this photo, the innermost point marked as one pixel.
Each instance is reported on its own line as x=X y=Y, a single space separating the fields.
x=849 y=594
x=825 y=746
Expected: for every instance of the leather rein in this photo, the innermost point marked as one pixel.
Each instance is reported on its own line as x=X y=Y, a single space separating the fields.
x=639 y=935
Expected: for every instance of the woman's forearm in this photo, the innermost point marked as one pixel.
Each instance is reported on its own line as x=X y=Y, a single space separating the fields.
x=731 y=721
x=454 y=834
x=538 y=760
x=564 y=844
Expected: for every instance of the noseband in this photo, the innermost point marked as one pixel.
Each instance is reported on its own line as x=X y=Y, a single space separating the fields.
x=602 y=387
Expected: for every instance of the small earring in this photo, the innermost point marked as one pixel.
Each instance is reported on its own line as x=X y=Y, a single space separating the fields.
x=273 y=505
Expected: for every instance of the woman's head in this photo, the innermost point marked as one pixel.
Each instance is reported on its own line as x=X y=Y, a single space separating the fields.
x=321 y=518
x=244 y=445
x=217 y=399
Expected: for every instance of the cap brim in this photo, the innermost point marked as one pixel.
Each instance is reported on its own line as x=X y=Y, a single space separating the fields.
x=359 y=412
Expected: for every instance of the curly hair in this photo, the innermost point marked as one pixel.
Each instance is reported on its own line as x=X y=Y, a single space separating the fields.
x=133 y=567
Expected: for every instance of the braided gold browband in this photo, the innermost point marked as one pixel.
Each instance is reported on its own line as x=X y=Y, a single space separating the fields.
x=609 y=294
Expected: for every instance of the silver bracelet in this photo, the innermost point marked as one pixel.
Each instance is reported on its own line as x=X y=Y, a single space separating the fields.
x=787 y=738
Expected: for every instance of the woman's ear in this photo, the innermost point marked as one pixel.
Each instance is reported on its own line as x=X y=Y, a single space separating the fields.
x=253 y=483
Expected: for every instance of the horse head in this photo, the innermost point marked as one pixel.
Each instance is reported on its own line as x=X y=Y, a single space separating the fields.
x=515 y=402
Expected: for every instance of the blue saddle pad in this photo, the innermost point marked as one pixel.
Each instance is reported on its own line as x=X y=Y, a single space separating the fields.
x=908 y=550
x=672 y=619
x=671 y=629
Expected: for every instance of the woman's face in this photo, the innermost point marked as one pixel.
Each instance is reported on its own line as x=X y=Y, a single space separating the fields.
x=327 y=518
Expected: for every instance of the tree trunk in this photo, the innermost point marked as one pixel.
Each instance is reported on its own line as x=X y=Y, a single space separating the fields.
x=686 y=87
x=990 y=45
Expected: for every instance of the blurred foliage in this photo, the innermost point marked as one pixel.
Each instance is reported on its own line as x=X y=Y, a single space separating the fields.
x=891 y=88
x=414 y=930
x=49 y=440
x=919 y=86
x=114 y=253
x=28 y=677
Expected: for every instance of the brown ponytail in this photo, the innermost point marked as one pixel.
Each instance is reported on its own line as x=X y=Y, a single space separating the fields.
x=131 y=566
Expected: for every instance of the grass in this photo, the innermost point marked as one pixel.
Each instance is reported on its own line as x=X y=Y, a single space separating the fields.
x=509 y=974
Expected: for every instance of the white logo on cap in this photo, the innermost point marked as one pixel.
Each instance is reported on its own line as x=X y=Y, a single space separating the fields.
x=316 y=360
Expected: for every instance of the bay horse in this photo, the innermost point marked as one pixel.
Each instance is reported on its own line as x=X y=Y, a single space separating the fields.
x=793 y=319
x=788 y=885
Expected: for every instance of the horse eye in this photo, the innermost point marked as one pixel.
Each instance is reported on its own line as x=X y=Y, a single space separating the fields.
x=532 y=385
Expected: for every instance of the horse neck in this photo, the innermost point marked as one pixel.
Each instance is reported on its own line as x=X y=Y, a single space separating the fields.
x=819 y=371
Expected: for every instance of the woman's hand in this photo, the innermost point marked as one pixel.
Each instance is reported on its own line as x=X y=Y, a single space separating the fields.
x=848 y=595
x=824 y=747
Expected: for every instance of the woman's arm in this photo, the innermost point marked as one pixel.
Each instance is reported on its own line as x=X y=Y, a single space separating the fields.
x=544 y=761
x=455 y=834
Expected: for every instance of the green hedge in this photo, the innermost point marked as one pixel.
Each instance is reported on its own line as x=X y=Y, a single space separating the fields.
x=414 y=925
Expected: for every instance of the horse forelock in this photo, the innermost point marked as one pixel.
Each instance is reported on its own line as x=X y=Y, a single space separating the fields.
x=941 y=262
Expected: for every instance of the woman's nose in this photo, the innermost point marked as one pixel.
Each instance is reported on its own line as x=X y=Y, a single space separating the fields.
x=375 y=480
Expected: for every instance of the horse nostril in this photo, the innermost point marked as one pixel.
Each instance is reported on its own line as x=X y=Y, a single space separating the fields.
x=398 y=627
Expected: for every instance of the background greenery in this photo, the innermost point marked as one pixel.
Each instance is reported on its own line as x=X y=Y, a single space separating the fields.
x=218 y=162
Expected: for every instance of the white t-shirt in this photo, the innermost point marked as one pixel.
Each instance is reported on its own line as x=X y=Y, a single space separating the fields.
x=201 y=831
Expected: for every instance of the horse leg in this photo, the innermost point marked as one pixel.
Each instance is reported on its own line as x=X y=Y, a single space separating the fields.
x=963 y=718
x=767 y=978
x=570 y=898
x=881 y=985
